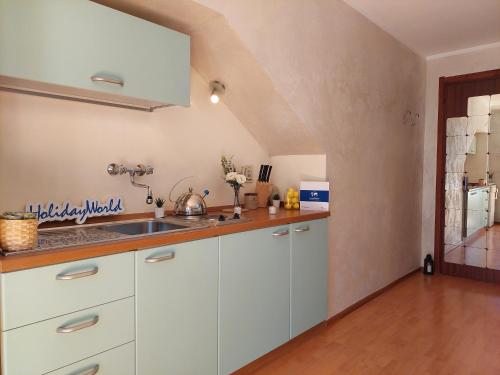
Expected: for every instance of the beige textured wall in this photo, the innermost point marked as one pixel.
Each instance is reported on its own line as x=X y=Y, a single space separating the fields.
x=218 y=53
x=473 y=61
x=351 y=84
x=289 y=170
x=57 y=149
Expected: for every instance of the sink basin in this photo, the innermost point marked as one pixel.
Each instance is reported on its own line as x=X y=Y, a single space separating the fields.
x=142 y=227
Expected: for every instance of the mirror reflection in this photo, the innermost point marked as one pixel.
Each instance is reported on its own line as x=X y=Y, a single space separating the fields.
x=472 y=174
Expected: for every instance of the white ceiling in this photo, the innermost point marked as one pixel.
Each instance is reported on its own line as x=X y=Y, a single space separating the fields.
x=431 y=27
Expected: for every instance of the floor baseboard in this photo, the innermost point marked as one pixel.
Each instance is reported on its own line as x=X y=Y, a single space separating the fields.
x=368 y=298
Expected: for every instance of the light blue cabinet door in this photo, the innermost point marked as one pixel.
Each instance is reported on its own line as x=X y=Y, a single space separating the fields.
x=254 y=295
x=176 y=303
x=309 y=296
x=67 y=42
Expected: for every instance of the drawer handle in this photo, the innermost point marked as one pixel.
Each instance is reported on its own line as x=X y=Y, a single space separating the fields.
x=281 y=233
x=113 y=81
x=77 y=275
x=302 y=229
x=161 y=258
x=90 y=371
x=69 y=328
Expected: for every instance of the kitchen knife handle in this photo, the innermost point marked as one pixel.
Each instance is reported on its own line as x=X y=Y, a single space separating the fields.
x=264 y=173
x=260 y=172
x=269 y=173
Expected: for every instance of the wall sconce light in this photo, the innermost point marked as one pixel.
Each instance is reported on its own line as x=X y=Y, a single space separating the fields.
x=218 y=89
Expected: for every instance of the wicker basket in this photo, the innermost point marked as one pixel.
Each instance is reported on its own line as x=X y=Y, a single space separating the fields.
x=17 y=235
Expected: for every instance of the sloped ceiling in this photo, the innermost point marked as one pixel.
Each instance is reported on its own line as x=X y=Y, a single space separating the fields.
x=218 y=53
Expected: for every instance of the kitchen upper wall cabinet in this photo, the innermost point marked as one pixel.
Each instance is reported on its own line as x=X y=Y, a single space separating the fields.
x=83 y=50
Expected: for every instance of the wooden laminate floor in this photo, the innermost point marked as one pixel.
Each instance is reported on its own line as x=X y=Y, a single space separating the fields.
x=424 y=325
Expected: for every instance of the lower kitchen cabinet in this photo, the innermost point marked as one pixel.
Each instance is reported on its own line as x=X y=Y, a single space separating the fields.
x=309 y=265
x=206 y=307
x=51 y=344
x=117 y=361
x=254 y=296
x=176 y=307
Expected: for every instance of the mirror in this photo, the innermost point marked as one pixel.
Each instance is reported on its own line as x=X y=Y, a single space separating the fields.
x=472 y=174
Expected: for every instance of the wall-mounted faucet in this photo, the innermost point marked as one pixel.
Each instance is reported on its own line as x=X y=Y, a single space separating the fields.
x=117 y=169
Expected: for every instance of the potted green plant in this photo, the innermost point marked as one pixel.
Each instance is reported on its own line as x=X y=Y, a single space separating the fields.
x=159 y=208
x=276 y=200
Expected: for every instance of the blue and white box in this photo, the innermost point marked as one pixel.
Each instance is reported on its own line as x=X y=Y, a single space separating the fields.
x=314 y=195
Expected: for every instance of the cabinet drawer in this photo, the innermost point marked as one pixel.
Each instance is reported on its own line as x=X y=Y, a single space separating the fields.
x=42 y=293
x=54 y=343
x=118 y=361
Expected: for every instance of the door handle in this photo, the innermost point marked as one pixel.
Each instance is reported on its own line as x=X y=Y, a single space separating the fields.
x=302 y=229
x=160 y=258
x=77 y=275
x=114 y=81
x=280 y=233
x=89 y=371
x=73 y=327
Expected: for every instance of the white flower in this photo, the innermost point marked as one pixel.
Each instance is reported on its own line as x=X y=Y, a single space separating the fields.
x=241 y=179
x=231 y=176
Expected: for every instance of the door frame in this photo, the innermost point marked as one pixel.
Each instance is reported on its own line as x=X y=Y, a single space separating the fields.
x=442 y=267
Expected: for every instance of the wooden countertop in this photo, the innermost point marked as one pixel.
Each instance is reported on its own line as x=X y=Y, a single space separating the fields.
x=259 y=219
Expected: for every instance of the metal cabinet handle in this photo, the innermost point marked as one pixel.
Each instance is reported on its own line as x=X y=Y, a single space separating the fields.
x=90 y=371
x=281 y=233
x=160 y=258
x=69 y=328
x=302 y=229
x=114 y=81
x=77 y=275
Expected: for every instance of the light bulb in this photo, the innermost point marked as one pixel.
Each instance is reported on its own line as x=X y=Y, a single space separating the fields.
x=214 y=98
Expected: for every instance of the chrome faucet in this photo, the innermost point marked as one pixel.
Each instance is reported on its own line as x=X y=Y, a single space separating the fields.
x=141 y=170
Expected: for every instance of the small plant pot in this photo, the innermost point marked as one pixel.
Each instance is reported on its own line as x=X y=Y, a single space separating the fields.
x=159 y=212
x=276 y=203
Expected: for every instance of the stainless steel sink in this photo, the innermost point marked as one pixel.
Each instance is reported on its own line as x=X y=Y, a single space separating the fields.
x=142 y=227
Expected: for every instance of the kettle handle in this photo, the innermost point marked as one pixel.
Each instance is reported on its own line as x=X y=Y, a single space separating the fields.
x=173 y=187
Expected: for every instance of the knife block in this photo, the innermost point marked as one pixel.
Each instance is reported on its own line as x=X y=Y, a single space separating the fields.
x=263 y=190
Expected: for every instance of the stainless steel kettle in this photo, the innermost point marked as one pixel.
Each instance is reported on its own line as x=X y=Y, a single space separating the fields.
x=190 y=204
